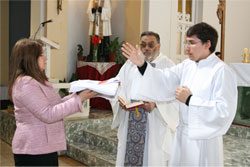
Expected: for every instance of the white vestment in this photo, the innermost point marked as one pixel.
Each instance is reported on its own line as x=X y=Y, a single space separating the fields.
x=211 y=110
x=161 y=123
x=103 y=17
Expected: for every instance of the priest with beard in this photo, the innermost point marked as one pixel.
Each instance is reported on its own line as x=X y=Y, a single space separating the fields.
x=145 y=133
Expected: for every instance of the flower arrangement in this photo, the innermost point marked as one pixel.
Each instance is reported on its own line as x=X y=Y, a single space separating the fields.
x=95 y=40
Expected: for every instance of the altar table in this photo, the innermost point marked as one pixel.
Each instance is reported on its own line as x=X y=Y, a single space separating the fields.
x=242 y=71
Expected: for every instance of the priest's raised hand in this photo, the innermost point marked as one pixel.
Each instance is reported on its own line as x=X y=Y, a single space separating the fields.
x=134 y=54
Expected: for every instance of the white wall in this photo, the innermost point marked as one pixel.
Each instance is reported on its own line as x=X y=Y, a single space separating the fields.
x=210 y=17
x=159 y=20
x=237 y=35
x=77 y=32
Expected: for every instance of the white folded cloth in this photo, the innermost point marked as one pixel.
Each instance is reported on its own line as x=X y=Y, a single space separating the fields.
x=106 y=89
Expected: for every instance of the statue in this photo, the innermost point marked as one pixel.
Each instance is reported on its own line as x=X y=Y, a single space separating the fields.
x=246 y=56
x=220 y=10
x=99 y=15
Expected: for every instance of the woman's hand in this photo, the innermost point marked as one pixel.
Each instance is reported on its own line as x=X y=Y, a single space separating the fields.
x=87 y=94
x=133 y=54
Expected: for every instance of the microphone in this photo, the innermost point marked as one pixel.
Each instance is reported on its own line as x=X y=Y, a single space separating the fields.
x=42 y=25
x=45 y=22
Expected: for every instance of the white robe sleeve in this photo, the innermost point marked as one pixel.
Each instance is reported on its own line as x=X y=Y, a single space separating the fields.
x=211 y=118
x=118 y=113
x=158 y=85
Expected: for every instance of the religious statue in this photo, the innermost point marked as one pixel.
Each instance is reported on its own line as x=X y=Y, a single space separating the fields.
x=246 y=55
x=220 y=10
x=99 y=15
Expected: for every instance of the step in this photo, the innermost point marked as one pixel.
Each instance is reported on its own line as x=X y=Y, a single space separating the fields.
x=91 y=141
x=90 y=155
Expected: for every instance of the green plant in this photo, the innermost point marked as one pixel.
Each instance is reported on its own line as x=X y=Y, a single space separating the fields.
x=115 y=50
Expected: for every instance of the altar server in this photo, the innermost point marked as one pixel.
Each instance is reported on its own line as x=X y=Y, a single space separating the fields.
x=207 y=90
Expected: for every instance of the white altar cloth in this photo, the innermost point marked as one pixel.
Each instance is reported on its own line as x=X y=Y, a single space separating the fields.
x=242 y=71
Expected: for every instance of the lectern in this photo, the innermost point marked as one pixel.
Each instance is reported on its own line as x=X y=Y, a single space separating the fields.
x=48 y=46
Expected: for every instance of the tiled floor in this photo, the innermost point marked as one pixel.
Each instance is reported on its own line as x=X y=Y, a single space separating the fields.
x=6 y=157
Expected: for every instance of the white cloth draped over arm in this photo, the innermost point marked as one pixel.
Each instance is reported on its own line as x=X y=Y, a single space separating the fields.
x=211 y=118
x=169 y=112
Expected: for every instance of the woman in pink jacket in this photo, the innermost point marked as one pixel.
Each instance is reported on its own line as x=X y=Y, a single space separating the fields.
x=39 y=110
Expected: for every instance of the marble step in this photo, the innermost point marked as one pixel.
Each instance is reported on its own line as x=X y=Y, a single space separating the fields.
x=90 y=155
x=92 y=141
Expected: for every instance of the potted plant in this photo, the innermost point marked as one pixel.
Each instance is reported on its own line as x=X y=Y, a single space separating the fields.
x=115 y=54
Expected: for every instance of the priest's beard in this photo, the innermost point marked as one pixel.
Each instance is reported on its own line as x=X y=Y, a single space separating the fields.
x=150 y=57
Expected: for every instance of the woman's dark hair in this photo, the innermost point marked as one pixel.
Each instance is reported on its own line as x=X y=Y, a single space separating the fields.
x=24 y=61
x=205 y=33
x=151 y=33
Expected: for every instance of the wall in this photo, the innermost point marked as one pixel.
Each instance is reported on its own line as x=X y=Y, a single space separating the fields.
x=159 y=20
x=57 y=32
x=133 y=21
x=237 y=35
x=37 y=16
x=210 y=17
x=4 y=48
x=77 y=34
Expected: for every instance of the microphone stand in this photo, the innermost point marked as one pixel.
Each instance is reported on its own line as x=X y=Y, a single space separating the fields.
x=38 y=29
x=40 y=26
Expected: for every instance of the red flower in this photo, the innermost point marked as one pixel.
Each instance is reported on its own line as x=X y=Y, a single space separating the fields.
x=95 y=40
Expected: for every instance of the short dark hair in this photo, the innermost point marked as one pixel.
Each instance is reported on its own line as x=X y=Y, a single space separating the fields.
x=204 y=32
x=151 y=33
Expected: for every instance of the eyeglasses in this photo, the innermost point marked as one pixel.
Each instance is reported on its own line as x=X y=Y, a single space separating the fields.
x=191 y=43
x=151 y=45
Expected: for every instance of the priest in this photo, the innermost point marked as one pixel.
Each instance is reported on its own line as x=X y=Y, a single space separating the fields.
x=145 y=133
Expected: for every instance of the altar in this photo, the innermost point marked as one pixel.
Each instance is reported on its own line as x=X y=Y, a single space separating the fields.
x=242 y=71
x=97 y=71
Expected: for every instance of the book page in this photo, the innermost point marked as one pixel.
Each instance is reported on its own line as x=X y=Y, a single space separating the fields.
x=129 y=105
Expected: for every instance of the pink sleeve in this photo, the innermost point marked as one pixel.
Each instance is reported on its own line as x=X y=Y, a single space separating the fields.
x=33 y=97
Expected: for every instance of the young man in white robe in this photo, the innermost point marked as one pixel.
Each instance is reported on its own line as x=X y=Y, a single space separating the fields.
x=207 y=90
x=162 y=117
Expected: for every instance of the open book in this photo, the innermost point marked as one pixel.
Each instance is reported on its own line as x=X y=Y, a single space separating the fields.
x=106 y=89
x=128 y=105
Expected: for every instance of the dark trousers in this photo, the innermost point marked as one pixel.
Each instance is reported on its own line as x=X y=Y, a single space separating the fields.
x=50 y=159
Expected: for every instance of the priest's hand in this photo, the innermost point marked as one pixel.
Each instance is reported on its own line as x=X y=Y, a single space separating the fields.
x=182 y=93
x=134 y=54
x=149 y=106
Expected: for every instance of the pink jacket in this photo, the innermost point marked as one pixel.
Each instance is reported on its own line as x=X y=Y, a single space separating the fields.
x=39 y=113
